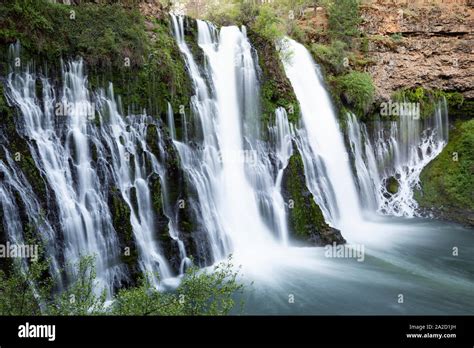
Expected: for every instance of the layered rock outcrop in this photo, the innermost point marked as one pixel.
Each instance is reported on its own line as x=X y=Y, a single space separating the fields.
x=419 y=43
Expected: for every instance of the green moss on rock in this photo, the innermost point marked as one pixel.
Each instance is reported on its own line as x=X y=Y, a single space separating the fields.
x=306 y=220
x=447 y=183
x=276 y=90
x=428 y=98
x=120 y=213
x=102 y=34
x=392 y=185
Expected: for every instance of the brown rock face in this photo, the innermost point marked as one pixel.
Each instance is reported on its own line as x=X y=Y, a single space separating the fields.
x=152 y=9
x=420 y=43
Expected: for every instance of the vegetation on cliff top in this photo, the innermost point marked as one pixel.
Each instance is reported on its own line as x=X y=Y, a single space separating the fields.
x=113 y=41
x=338 y=50
x=102 y=35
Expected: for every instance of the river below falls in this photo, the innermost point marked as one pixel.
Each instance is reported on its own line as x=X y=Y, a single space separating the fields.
x=409 y=267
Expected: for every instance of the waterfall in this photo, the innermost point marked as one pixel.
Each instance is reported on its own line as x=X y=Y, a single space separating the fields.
x=320 y=140
x=85 y=150
x=282 y=138
x=227 y=162
x=398 y=151
x=14 y=184
x=57 y=133
x=129 y=152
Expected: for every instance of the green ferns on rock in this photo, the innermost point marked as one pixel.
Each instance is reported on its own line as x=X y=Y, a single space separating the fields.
x=356 y=90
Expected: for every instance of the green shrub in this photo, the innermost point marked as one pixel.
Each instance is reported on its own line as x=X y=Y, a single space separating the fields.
x=201 y=292
x=17 y=296
x=331 y=56
x=223 y=12
x=396 y=36
x=268 y=25
x=80 y=297
x=357 y=90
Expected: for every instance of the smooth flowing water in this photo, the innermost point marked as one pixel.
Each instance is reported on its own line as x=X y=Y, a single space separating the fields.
x=414 y=261
x=63 y=156
x=324 y=136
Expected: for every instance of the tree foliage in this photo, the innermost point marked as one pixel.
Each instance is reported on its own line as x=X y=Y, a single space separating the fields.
x=343 y=19
x=25 y=291
x=21 y=288
x=80 y=297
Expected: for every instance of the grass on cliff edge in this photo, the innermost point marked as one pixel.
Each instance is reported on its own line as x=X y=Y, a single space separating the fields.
x=449 y=183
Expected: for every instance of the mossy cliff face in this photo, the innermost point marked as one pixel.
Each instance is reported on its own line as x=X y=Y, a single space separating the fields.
x=275 y=88
x=306 y=220
x=428 y=100
x=447 y=183
x=118 y=44
x=19 y=151
x=181 y=205
x=120 y=213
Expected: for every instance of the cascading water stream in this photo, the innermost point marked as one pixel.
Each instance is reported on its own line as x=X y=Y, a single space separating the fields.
x=64 y=158
x=321 y=141
x=83 y=162
x=129 y=152
x=398 y=152
x=238 y=189
x=202 y=162
x=401 y=152
x=233 y=191
x=284 y=150
x=15 y=184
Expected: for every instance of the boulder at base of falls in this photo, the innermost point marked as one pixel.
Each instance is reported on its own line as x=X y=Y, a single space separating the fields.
x=305 y=218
